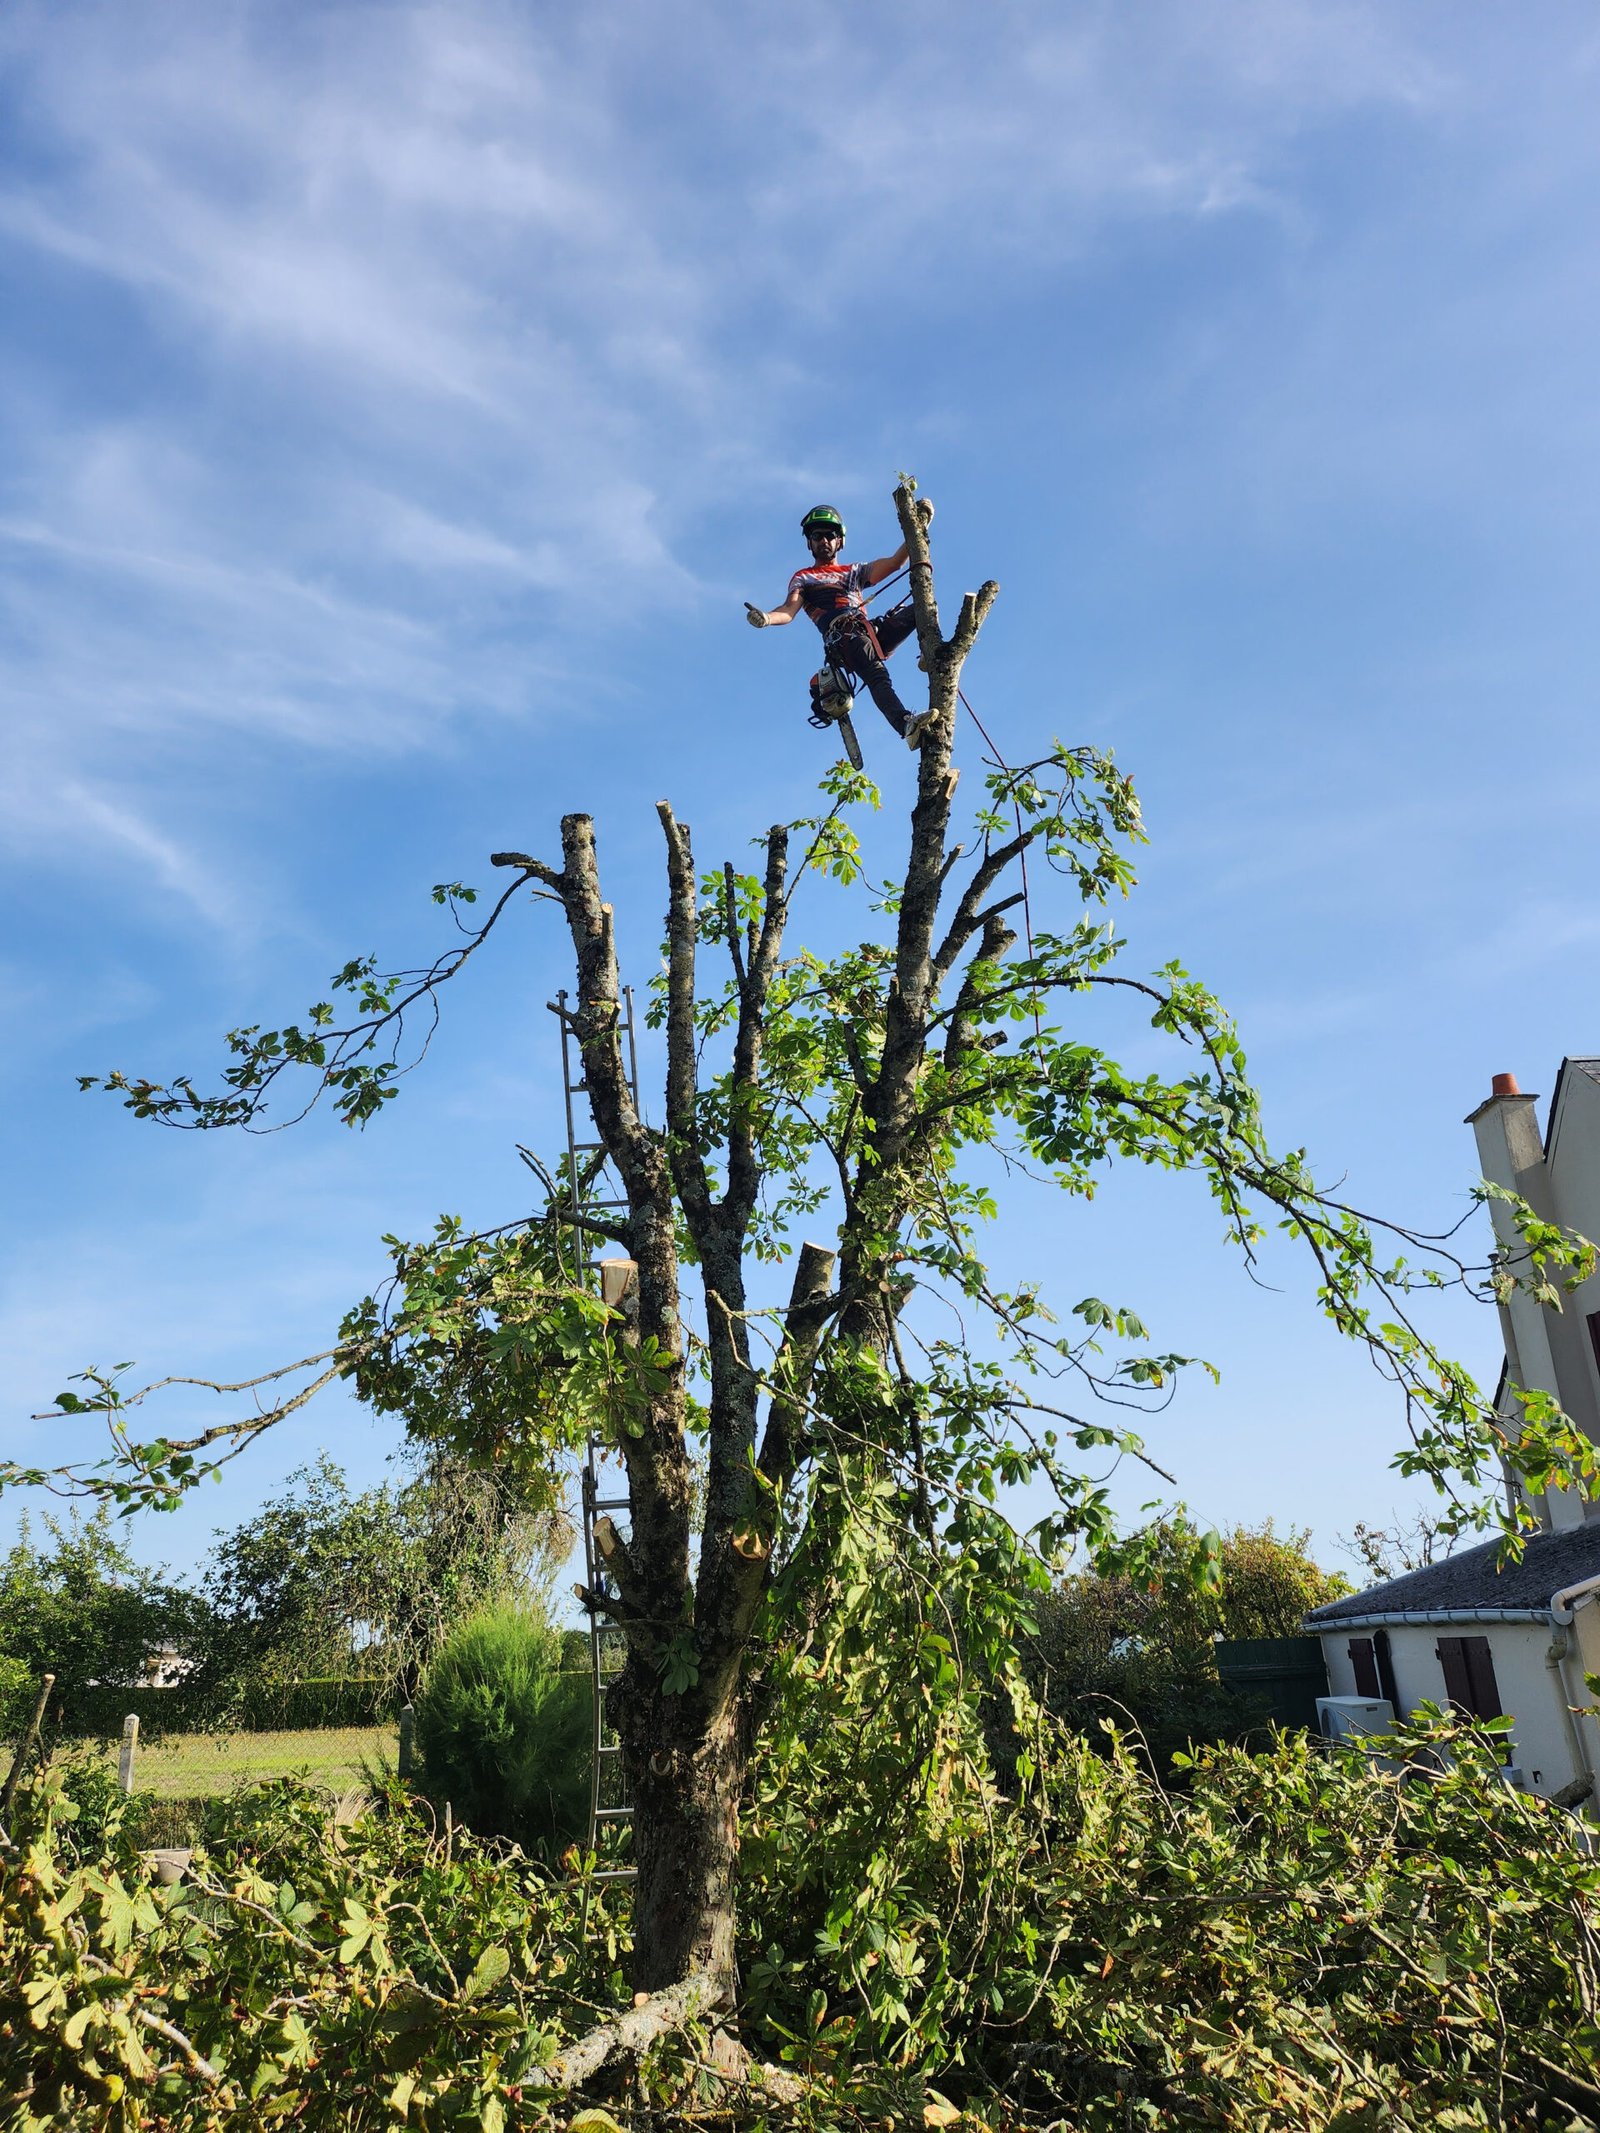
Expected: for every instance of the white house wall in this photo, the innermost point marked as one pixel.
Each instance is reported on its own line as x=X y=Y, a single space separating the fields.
x=1572 y=1162
x=1528 y=1687
x=1540 y=1351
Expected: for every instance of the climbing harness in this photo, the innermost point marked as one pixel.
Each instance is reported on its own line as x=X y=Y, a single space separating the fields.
x=832 y=697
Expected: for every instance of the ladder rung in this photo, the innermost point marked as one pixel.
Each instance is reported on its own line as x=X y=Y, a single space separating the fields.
x=617 y=1873
x=608 y=1748
x=613 y=1503
x=611 y=1814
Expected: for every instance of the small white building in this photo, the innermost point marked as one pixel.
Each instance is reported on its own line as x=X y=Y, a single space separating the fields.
x=1495 y=1642
x=1515 y=1641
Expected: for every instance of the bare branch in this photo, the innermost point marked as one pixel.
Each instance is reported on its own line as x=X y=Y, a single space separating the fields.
x=647 y=2020
x=914 y=532
x=811 y=1304
x=968 y=913
x=683 y=1126
x=536 y=867
x=744 y=1168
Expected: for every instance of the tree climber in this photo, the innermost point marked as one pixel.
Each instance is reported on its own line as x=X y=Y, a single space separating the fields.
x=831 y=594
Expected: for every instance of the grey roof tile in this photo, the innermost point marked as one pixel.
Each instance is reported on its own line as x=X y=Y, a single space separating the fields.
x=1550 y=1562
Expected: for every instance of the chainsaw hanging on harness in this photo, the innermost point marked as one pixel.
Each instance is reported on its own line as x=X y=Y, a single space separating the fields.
x=832 y=701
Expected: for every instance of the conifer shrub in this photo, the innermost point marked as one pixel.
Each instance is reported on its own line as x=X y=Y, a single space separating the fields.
x=503 y=1731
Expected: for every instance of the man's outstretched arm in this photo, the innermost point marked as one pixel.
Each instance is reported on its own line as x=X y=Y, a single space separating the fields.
x=761 y=618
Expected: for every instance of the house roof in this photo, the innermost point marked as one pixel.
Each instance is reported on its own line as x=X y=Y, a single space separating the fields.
x=1473 y=1579
x=1590 y=1070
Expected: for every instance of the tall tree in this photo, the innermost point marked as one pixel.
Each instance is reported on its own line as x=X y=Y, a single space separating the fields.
x=865 y=1093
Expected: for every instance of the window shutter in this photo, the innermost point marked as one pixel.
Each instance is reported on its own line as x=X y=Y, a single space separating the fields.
x=1365 y=1662
x=1480 y=1674
x=1385 y=1660
x=1457 y=1681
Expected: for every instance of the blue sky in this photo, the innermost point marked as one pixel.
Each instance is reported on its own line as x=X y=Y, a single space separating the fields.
x=399 y=401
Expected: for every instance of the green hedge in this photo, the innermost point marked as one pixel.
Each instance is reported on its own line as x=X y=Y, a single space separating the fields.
x=93 y=1711
x=96 y=1712
x=300 y=1706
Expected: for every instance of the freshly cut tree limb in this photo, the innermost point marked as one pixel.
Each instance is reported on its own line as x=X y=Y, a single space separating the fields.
x=640 y=2026
x=919 y=567
x=689 y=1170
x=755 y=985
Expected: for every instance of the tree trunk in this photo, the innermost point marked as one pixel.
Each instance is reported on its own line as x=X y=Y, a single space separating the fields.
x=688 y=1773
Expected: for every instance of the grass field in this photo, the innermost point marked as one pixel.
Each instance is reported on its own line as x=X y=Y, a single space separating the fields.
x=192 y=1766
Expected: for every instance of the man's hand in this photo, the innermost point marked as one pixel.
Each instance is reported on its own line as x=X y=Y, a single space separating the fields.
x=755 y=616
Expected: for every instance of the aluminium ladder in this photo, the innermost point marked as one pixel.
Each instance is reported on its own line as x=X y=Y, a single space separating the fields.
x=603 y=1491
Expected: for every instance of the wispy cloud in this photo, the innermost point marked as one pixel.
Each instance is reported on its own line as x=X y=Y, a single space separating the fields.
x=423 y=313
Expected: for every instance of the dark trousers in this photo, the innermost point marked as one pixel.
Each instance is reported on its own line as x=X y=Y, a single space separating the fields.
x=850 y=649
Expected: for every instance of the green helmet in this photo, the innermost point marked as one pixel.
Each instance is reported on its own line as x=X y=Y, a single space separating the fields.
x=822 y=518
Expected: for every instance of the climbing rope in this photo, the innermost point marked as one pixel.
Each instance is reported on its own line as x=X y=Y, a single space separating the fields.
x=1001 y=764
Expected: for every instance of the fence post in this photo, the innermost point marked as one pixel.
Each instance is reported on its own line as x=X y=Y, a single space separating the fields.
x=130 y=1741
x=25 y=1745
x=408 y=1740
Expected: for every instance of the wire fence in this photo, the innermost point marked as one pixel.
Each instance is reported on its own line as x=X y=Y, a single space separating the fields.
x=197 y=1766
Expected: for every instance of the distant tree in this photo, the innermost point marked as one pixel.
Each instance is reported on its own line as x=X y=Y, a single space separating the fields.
x=78 y=1606
x=1390 y=1551
x=321 y=1582
x=1268 y=1582
x=1138 y=1641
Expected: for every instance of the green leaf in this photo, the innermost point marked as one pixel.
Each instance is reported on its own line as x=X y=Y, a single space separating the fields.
x=72 y=2032
x=488 y=1971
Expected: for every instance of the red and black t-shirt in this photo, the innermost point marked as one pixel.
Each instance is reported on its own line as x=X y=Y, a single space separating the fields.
x=829 y=590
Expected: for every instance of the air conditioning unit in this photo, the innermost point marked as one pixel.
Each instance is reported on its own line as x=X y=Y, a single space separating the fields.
x=1515 y=1776
x=1348 y=1717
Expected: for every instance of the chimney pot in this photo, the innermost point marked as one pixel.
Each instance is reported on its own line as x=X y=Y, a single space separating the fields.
x=1505 y=1085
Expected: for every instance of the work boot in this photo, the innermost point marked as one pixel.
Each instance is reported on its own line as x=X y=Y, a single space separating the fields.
x=916 y=729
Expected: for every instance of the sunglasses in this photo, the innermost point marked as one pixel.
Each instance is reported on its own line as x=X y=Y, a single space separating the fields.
x=825 y=533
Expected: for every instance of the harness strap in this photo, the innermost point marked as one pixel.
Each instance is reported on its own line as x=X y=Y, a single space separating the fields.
x=852 y=618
